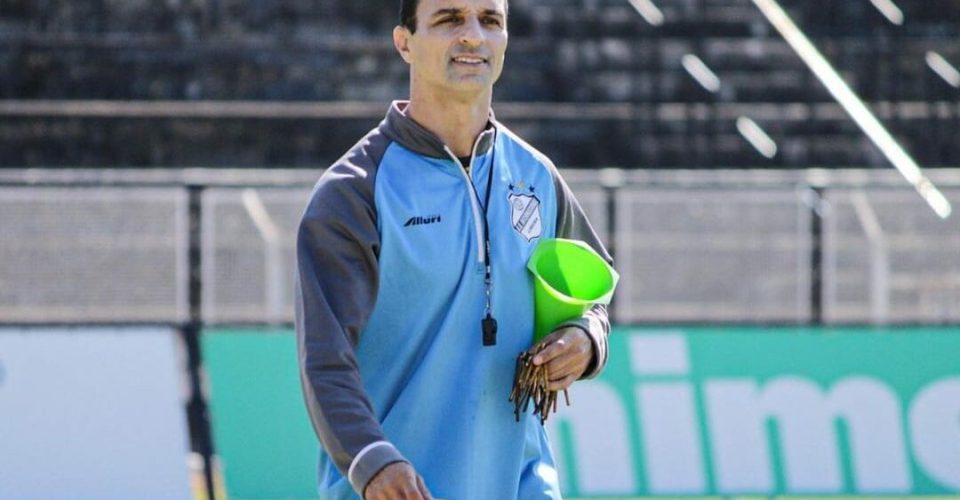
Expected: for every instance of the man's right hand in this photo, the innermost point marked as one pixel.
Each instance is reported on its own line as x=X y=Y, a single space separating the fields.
x=397 y=481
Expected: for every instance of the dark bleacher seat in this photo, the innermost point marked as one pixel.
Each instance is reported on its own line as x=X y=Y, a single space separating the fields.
x=586 y=52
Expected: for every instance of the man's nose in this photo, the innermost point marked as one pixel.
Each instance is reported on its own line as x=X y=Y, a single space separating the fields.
x=471 y=33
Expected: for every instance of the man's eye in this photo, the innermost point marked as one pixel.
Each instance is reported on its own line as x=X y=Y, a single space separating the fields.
x=449 y=20
x=492 y=21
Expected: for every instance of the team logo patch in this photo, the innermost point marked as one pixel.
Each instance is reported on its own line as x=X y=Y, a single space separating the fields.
x=525 y=214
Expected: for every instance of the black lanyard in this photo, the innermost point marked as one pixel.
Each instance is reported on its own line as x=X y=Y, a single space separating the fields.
x=488 y=326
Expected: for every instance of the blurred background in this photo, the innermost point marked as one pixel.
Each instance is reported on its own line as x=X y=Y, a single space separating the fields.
x=788 y=322
x=653 y=84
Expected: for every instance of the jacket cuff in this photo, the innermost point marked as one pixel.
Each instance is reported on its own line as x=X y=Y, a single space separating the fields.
x=594 y=330
x=371 y=460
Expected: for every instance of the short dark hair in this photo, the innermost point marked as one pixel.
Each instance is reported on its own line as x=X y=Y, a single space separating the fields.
x=408 y=13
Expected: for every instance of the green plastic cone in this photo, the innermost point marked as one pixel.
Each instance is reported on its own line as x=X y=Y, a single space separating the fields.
x=569 y=278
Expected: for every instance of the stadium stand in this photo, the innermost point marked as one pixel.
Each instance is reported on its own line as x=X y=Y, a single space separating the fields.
x=635 y=97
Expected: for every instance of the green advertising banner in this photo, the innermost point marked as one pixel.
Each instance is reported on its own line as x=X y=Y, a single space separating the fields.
x=738 y=411
x=261 y=431
x=678 y=412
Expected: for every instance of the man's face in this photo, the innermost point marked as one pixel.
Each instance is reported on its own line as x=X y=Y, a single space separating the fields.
x=458 y=46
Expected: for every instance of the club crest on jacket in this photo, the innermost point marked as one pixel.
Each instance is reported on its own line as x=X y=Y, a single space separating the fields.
x=525 y=212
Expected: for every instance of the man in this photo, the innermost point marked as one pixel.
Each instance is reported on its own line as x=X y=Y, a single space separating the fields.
x=411 y=247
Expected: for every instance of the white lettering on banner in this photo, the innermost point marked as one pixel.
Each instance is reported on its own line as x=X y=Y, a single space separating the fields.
x=604 y=463
x=741 y=457
x=673 y=455
x=806 y=418
x=935 y=430
x=872 y=409
x=659 y=354
x=671 y=439
x=737 y=444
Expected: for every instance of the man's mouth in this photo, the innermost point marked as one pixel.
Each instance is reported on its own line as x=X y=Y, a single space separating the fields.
x=471 y=60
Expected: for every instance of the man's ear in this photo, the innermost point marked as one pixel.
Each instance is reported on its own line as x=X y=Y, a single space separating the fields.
x=401 y=40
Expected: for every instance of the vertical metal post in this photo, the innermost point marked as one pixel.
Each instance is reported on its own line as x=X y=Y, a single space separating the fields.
x=816 y=257
x=612 y=179
x=197 y=415
x=879 y=258
x=276 y=282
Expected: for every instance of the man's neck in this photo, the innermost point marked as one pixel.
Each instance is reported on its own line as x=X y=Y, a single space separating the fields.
x=457 y=122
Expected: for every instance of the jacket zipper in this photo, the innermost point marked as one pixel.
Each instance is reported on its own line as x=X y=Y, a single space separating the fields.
x=474 y=201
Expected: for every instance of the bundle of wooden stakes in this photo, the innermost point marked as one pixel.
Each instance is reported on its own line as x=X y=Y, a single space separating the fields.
x=530 y=384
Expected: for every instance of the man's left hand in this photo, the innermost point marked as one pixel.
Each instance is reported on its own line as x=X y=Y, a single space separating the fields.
x=567 y=354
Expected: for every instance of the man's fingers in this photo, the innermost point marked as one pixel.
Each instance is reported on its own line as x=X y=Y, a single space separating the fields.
x=569 y=365
x=413 y=494
x=559 y=385
x=566 y=340
x=397 y=481
x=554 y=348
x=406 y=492
x=569 y=359
x=564 y=366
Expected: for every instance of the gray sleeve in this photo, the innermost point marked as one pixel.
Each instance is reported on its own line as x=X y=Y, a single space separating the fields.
x=337 y=280
x=572 y=223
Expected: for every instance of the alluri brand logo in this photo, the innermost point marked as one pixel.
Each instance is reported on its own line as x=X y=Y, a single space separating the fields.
x=420 y=221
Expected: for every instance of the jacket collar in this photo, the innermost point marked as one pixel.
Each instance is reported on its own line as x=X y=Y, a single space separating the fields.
x=413 y=136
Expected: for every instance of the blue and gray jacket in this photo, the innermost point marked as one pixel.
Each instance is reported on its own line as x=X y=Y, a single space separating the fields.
x=390 y=297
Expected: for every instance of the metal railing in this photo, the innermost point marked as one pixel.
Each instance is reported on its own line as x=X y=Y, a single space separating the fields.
x=793 y=247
